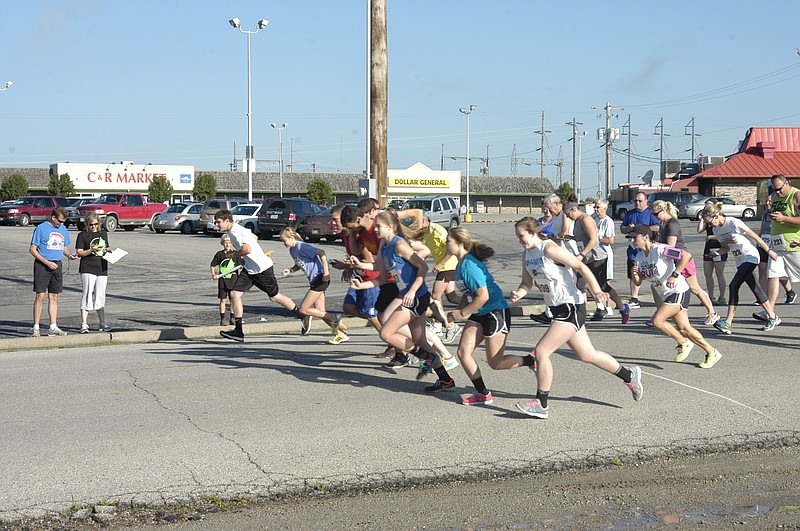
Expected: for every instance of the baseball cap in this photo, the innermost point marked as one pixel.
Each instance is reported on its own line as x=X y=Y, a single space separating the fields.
x=644 y=230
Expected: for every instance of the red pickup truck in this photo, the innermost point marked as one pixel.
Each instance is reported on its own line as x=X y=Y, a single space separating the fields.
x=126 y=210
x=30 y=209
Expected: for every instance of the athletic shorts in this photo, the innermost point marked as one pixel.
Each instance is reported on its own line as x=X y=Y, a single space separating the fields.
x=446 y=276
x=600 y=273
x=46 y=279
x=690 y=269
x=574 y=314
x=364 y=300
x=776 y=268
x=318 y=284
x=494 y=322
x=710 y=246
x=791 y=262
x=388 y=293
x=419 y=306
x=682 y=299
x=223 y=293
x=265 y=281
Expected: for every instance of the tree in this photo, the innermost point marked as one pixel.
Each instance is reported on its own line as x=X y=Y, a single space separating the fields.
x=564 y=191
x=61 y=185
x=14 y=186
x=205 y=186
x=319 y=191
x=160 y=190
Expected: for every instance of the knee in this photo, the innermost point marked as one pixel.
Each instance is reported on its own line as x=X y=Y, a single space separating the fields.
x=659 y=322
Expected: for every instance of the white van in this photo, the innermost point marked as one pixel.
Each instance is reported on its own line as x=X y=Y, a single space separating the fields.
x=441 y=209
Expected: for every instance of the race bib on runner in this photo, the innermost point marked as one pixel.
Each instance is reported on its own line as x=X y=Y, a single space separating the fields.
x=778 y=243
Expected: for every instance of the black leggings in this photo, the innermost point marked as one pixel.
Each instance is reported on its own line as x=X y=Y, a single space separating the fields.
x=745 y=273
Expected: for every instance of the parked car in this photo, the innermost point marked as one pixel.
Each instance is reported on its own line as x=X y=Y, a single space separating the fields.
x=729 y=208
x=73 y=215
x=285 y=212
x=30 y=209
x=184 y=217
x=319 y=226
x=396 y=204
x=441 y=209
x=679 y=199
x=128 y=210
x=245 y=214
x=214 y=205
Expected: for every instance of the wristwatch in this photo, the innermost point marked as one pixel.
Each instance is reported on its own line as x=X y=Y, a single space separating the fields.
x=675 y=274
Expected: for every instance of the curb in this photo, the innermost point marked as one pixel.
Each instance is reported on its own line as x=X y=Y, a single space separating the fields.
x=192 y=333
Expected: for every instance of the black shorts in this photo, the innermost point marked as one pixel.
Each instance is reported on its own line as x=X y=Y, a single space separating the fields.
x=265 y=281
x=763 y=256
x=223 y=293
x=600 y=272
x=419 y=306
x=710 y=246
x=387 y=293
x=445 y=276
x=682 y=299
x=493 y=323
x=574 y=314
x=630 y=266
x=46 y=279
x=318 y=284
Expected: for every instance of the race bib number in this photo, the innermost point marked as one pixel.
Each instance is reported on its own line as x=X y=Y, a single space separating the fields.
x=736 y=252
x=778 y=243
x=767 y=239
x=544 y=288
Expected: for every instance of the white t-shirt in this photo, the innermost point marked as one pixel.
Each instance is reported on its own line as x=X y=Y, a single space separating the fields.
x=556 y=282
x=605 y=229
x=732 y=233
x=658 y=265
x=256 y=261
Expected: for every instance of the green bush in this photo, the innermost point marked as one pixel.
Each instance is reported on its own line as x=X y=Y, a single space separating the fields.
x=319 y=191
x=205 y=186
x=160 y=190
x=61 y=185
x=14 y=186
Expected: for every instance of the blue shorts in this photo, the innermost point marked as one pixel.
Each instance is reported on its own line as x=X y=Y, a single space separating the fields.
x=364 y=301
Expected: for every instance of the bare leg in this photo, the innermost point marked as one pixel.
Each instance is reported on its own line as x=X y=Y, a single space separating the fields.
x=52 y=308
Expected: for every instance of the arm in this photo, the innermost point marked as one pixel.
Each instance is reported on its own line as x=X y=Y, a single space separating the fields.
x=378 y=266
x=34 y=250
x=679 y=266
x=591 y=229
x=481 y=298
x=562 y=256
x=405 y=250
x=326 y=272
x=755 y=238
x=608 y=240
x=524 y=286
x=789 y=220
x=414 y=214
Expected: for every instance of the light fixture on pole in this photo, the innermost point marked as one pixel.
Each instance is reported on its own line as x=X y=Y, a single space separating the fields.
x=580 y=136
x=468 y=111
x=280 y=129
x=249 y=151
x=7 y=86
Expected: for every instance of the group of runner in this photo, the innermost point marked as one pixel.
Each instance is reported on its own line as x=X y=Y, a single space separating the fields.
x=565 y=253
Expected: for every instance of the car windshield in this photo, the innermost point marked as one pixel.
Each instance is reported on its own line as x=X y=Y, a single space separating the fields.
x=244 y=210
x=108 y=199
x=419 y=204
x=24 y=201
x=177 y=207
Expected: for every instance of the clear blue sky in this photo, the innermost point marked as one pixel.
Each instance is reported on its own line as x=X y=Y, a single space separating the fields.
x=165 y=81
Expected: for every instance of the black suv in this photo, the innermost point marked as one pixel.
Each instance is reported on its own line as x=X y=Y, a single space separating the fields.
x=285 y=212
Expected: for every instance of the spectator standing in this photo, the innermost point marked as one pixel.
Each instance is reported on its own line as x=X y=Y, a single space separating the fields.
x=91 y=245
x=49 y=244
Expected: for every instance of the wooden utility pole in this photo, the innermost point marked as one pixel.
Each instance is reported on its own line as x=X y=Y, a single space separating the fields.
x=379 y=99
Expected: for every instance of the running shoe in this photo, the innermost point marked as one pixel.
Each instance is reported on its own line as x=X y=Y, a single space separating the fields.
x=599 y=315
x=635 y=385
x=305 y=326
x=791 y=296
x=56 y=331
x=388 y=353
x=450 y=362
x=36 y=333
x=633 y=304
x=541 y=318
x=441 y=386
x=721 y=302
x=84 y=328
x=232 y=334
x=450 y=334
x=105 y=327
x=223 y=322
x=339 y=338
x=768 y=327
x=711 y=359
x=425 y=368
x=533 y=408
x=478 y=399
x=682 y=351
x=399 y=360
x=435 y=327
x=625 y=313
x=761 y=316
x=723 y=326
x=711 y=318
x=649 y=323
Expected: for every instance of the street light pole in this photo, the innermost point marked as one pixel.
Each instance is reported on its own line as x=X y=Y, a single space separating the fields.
x=250 y=161
x=280 y=129
x=468 y=111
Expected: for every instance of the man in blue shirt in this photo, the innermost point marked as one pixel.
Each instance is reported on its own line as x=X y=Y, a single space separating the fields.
x=50 y=243
x=641 y=215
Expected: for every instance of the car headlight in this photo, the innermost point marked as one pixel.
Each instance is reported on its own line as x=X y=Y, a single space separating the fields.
x=13 y=211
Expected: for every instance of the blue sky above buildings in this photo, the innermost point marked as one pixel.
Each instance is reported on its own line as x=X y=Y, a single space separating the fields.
x=165 y=81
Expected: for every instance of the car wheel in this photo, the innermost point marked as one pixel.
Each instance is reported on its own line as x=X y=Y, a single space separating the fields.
x=152 y=224
x=748 y=213
x=621 y=213
x=251 y=227
x=453 y=223
x=111 y=224
x=24 y=220
x=80 y=226
x=160 y=231
x=186 y=227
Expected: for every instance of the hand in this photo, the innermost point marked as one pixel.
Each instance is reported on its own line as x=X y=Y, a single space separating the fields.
x=772 y=254
x=670 y=283
x=286 y=272
x=52 y=265
x=326 y=277
x=73 y=256
x=635 y=268
x=601 y=297
x=455 y=315
x=215 y=276
x=408 y=298
x=516 y=295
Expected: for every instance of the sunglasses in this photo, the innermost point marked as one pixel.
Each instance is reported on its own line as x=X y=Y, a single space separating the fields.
x=94 y=224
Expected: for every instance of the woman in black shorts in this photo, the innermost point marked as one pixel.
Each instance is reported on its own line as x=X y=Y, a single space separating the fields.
x=713 y=264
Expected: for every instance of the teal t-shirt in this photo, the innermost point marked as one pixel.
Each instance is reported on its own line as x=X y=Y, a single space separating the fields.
x=471 y=275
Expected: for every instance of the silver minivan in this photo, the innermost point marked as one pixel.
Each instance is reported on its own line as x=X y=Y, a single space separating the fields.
x=441 y=209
